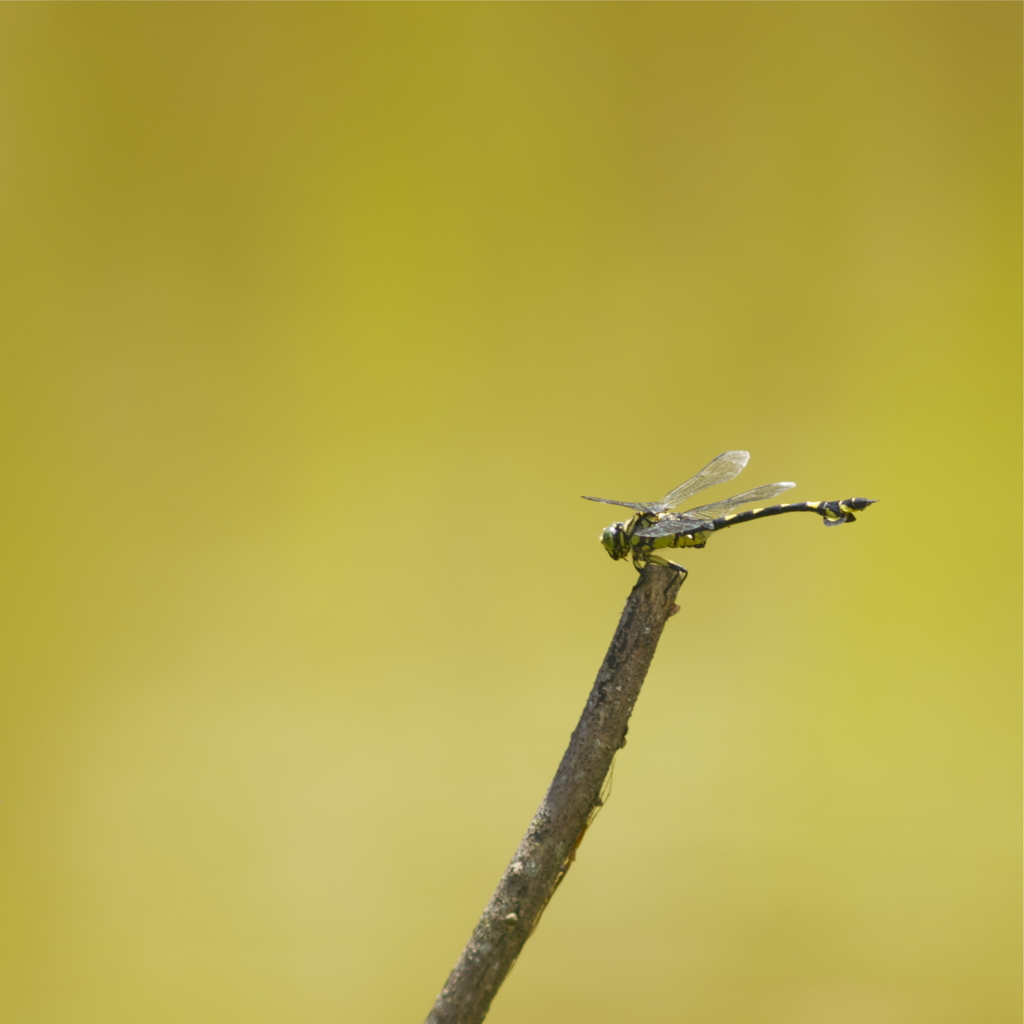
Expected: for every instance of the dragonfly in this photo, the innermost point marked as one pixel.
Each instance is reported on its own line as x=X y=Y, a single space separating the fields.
x=654 y=526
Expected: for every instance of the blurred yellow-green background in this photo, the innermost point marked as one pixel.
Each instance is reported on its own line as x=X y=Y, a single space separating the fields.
x=319 y=318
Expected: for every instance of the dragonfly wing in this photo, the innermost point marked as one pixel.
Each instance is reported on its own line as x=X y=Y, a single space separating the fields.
x=672 y=524
x=717 y=471
x=723 y=508
x=635 y=505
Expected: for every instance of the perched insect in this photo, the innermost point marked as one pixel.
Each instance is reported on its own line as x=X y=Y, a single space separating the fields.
x=654 y=526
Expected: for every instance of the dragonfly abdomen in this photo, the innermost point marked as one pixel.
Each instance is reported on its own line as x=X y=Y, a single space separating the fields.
x=833 y=512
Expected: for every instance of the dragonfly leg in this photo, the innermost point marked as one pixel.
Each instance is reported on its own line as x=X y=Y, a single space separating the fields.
x=658 y=560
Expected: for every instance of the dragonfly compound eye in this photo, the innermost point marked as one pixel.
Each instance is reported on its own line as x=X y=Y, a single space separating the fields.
x=614 y=541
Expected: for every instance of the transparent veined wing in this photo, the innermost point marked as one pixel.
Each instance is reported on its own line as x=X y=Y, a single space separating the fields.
x=635 y=505
x=699 y=518
x=676 y=522
x=717 y=471
x=727 y=505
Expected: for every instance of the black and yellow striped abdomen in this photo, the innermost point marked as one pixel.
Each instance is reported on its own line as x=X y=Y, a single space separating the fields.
x=832 y=512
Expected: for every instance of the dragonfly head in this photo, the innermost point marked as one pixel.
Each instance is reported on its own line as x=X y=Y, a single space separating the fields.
x=615 y=540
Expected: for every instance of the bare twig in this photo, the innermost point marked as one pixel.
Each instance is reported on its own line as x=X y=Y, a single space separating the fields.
x=557 y=828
